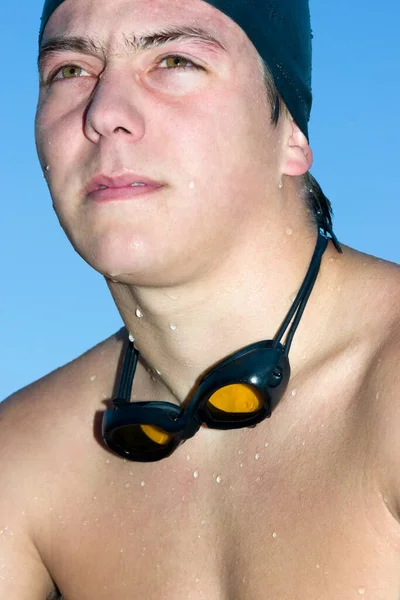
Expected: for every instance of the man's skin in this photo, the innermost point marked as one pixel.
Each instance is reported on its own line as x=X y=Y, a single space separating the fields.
x=305 y=505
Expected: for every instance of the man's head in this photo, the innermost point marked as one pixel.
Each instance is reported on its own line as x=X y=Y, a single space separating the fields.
x=198 y=124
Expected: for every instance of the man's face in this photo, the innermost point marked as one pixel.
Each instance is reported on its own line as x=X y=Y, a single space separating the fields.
x=203 y=133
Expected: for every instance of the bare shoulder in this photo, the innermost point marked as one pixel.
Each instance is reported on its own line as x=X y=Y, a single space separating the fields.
x=382 y=418
x=42 y=424
x=48 y=450
x=369 y=298
x=378 y=307
x=376 y=279
x=46 y=441
x=66 y=387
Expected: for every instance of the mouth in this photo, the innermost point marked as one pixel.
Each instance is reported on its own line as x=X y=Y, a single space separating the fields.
x=103 y=187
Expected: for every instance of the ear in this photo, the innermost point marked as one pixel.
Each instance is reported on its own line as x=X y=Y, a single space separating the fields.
x=297 y=157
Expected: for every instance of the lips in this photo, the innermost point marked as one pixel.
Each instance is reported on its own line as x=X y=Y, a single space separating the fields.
x=127 y=181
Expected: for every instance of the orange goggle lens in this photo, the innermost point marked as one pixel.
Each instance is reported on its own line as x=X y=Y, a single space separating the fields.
x=142 y=438
x=236 y=398
x=157 y=435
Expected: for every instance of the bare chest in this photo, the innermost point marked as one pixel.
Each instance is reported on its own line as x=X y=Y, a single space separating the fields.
x=232 y=516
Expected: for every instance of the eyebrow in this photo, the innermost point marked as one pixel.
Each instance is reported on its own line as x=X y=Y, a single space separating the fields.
x=155 y=39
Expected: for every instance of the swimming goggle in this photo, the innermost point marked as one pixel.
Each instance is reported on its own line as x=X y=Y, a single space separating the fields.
x=240 y=391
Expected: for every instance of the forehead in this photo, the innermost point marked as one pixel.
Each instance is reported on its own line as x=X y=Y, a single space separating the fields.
x=112 y=20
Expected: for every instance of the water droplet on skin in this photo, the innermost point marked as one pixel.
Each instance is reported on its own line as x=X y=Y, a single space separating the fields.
x=240 y=452
x=241 y=465
x=158 y=372
x=188 y=457
x=203 y=522
x=361 y=591
x=108 y=461
x=196 y=474
x=171 y=296
x=138 y=313
x=131 y=337
x=218 y=479
x=172 y=326
x=258 y=479
x=274 y=535
x=332 y=261
x=289 y=231
x=142 y=483
x=93 y=378
x=127 y=485
x=197 y=580
x=191 y=185
x=317 y=566
x=266 y=444
x=257 y=456
x=294 y=392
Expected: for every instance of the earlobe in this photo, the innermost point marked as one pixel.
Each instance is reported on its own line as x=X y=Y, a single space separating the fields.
x=298 y=156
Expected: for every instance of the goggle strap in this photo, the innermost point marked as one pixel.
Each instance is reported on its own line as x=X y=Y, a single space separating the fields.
x=128 y=373
x=303 y=294
x=299 y=314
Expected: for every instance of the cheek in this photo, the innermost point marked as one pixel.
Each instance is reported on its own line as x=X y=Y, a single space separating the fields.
x=59 y=124
x=59 y=139
x=232 y=123
x=228 y=144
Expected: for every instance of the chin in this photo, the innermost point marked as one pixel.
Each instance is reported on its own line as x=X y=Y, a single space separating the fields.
x=127 y=263
x=137 y=256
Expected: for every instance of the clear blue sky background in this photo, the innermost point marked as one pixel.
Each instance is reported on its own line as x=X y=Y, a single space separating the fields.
x=54 y=306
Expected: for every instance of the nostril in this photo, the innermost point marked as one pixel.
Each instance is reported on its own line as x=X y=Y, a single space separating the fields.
x=117 y=129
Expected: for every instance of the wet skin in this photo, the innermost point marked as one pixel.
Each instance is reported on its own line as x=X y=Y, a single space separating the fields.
x=300 y=507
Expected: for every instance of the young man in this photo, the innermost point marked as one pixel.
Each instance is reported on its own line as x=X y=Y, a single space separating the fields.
x=173 y=175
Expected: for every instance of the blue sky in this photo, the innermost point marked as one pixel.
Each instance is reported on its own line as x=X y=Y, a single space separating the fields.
x=54 y=306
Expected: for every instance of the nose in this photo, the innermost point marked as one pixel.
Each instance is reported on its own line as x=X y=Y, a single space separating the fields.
x=112 y=112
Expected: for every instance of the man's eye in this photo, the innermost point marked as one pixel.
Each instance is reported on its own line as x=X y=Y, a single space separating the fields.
x=175 y=61
x=70 y=71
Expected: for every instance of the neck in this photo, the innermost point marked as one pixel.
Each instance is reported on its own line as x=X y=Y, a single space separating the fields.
x=182 y=330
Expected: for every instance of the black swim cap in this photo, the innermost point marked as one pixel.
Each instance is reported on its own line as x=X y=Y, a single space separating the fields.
x=280 y=30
